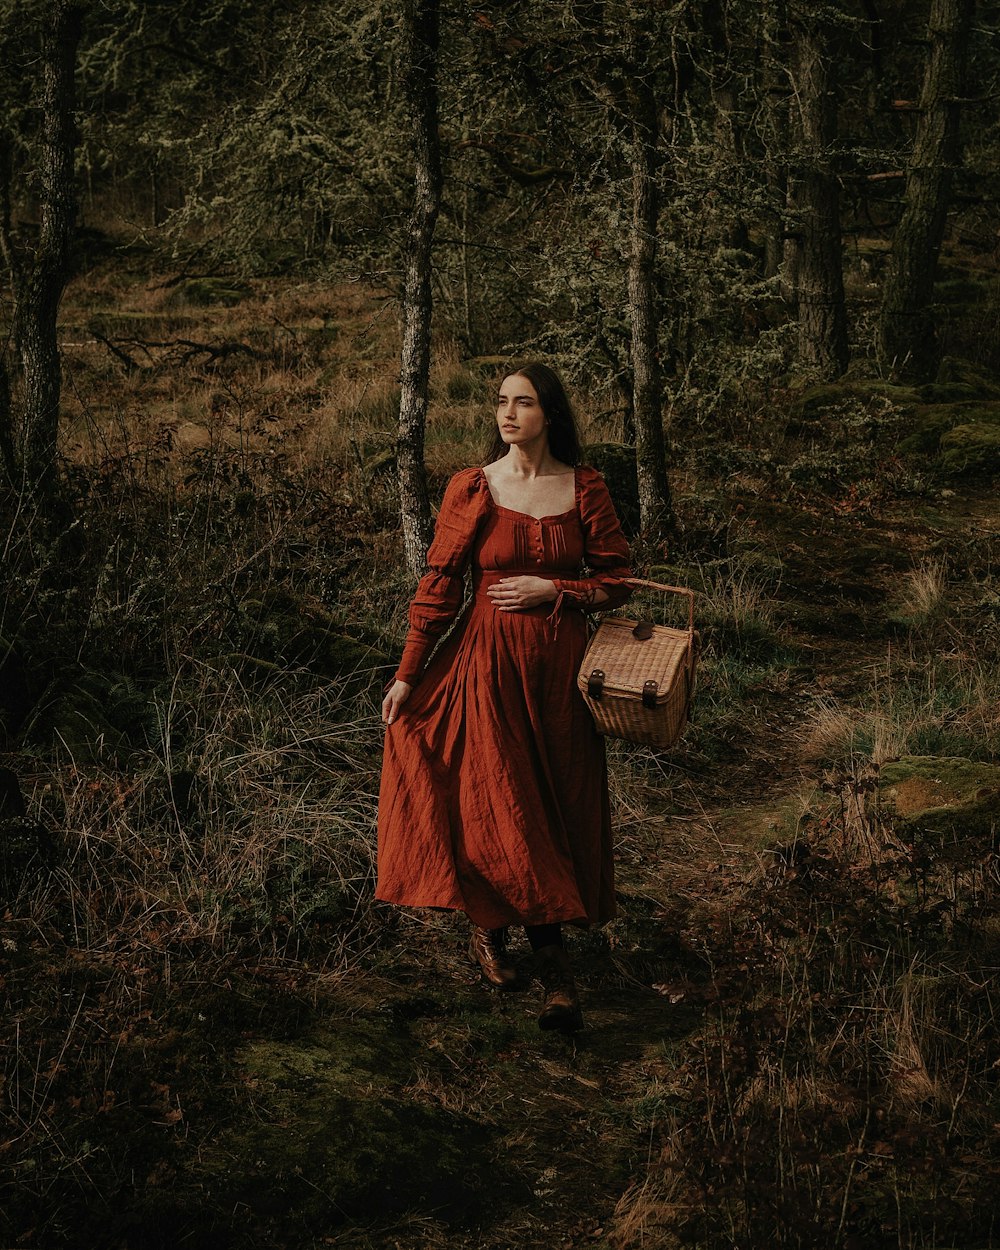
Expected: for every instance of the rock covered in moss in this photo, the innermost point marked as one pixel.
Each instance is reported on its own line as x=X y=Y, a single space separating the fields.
x=955 y=372
x=972 y=448
x=815 y=400
x=931 y=423
x=281 y=629
x=950 y=393
x=935 y=794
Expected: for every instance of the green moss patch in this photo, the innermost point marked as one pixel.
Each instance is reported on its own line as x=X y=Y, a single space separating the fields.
x=955 y=372
x=932 y=422
x=332 y=1137
x=943 y=794
x=973 y=447
x=817 y=399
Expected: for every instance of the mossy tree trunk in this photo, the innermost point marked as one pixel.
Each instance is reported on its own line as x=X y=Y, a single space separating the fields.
x=42 y=282
x=655 y=508
x=815 y=203
x=771 y=88
x=420 y=52
x=907 y=340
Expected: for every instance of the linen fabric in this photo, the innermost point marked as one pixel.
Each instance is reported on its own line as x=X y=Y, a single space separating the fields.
x=494 y=796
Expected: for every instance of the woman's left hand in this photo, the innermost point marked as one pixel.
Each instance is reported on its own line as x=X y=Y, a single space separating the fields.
x=514 y=594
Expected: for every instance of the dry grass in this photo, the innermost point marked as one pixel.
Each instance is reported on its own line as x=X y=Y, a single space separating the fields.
x=265 y=821
x=735 y=609
x=837 y=731
x=646 y=1215
x=925 y=593
x=152 y=370
x=306 y=383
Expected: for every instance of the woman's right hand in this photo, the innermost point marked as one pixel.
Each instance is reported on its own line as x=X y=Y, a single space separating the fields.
x=397 y=695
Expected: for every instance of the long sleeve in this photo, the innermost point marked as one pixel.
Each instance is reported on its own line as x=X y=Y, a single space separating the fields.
x=439 y=592
x=605 y=549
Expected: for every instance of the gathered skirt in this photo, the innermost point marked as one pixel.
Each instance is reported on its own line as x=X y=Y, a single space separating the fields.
x=494 y=797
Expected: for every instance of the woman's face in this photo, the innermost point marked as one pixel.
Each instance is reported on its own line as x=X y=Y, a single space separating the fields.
x=520 y=418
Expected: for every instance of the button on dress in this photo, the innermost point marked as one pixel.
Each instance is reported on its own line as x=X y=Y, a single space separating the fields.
x=494 y=797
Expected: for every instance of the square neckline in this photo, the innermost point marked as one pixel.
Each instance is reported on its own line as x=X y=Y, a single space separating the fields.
x=530 y=516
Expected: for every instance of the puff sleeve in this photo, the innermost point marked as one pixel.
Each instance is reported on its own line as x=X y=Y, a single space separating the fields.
x=605 y=549
x=440 y=591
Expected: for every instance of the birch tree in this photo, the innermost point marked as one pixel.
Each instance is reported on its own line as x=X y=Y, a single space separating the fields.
x=421 y=36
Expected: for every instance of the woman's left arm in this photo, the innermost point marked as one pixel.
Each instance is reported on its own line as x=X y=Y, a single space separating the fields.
x=605 y=550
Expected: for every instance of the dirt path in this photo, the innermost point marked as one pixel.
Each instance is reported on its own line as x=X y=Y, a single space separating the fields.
x=574 y=1123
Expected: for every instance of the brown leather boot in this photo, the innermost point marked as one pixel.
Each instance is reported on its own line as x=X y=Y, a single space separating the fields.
x=488 y=949
x=561 y=1009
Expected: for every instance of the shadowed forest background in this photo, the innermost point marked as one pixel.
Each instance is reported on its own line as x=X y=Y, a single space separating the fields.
x=262 y=267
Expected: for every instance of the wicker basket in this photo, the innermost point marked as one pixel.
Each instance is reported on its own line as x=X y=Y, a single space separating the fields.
x=637 y=678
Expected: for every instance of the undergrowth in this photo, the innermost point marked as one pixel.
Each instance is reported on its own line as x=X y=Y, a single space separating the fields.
x=842 y=1088
x=192 y=670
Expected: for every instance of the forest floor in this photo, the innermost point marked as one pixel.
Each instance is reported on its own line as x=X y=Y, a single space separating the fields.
x=790 y=1029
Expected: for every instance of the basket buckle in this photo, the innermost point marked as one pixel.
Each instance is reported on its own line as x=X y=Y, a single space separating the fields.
x=595 y=683
x=649 y=689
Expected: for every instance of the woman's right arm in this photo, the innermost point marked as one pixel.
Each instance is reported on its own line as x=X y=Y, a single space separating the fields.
x=439 y=594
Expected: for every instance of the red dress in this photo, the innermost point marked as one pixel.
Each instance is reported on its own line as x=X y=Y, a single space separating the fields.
x=494 y=796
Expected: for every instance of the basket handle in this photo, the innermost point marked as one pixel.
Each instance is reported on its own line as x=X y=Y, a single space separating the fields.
x=677 y=590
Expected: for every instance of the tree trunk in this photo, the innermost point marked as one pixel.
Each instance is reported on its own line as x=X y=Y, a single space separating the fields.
x=8 y=453
x=655 y=509
x=907 y=341
x=44 y=280
x=772 y=89
x=815 y=203
x=421 y=37
x=8 y=456
x=6 y=244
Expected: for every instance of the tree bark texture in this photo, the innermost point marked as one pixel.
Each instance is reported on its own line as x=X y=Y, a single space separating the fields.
x=815 y=204
x=655 y=510
x=772 y=89
x=6 y=245
x=8 y=456
x=43 y=281
x=907 y=340
x=421 y=38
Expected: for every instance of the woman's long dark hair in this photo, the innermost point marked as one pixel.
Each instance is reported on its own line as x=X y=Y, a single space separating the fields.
x=564 y=437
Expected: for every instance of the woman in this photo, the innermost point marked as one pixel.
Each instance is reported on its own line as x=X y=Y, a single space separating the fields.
x=494 y=795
